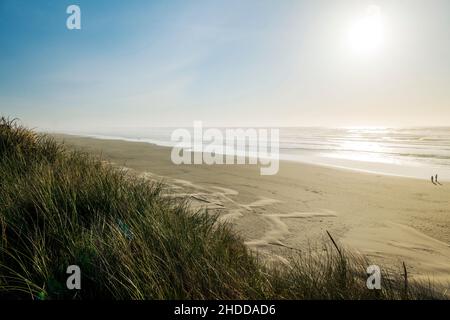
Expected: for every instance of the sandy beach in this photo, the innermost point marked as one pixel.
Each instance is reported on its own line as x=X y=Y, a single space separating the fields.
x=388 y=219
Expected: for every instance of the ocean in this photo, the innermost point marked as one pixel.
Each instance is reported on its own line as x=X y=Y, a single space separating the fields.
x=409 y=152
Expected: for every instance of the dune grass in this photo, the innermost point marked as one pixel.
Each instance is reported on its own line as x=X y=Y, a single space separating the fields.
x=60 y=207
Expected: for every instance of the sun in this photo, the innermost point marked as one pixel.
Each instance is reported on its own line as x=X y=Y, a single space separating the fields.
x=366 y=34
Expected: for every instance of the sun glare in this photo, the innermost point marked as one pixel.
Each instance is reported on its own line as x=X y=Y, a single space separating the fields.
x=366 y=33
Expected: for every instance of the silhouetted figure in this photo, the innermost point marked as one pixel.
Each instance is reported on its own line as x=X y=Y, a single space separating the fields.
x=432 y=180
x=436 y=180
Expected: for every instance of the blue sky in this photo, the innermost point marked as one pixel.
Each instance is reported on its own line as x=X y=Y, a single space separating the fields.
x=229 y=62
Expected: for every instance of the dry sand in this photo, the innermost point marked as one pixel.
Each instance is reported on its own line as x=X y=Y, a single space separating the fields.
x=388 y=219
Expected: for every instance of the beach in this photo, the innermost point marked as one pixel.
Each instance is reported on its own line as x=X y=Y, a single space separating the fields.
x=387 y=219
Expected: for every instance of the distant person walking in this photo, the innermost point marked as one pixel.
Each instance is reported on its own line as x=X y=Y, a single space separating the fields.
x=432 y=180
x=435 y=178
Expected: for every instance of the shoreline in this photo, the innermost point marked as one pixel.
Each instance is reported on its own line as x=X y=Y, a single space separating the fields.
x=387 y=219
x=285 y=158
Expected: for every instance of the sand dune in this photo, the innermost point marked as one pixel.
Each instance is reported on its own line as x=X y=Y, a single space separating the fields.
x=389 y=219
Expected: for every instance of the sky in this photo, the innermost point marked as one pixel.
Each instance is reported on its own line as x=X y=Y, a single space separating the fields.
x=227 y=63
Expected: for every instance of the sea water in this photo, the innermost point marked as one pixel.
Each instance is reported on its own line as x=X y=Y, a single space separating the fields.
x=410 y=152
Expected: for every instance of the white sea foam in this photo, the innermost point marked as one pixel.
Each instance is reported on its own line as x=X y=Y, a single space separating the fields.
x=412 y=152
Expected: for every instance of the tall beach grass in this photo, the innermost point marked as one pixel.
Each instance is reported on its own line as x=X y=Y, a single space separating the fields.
x=60 y=207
